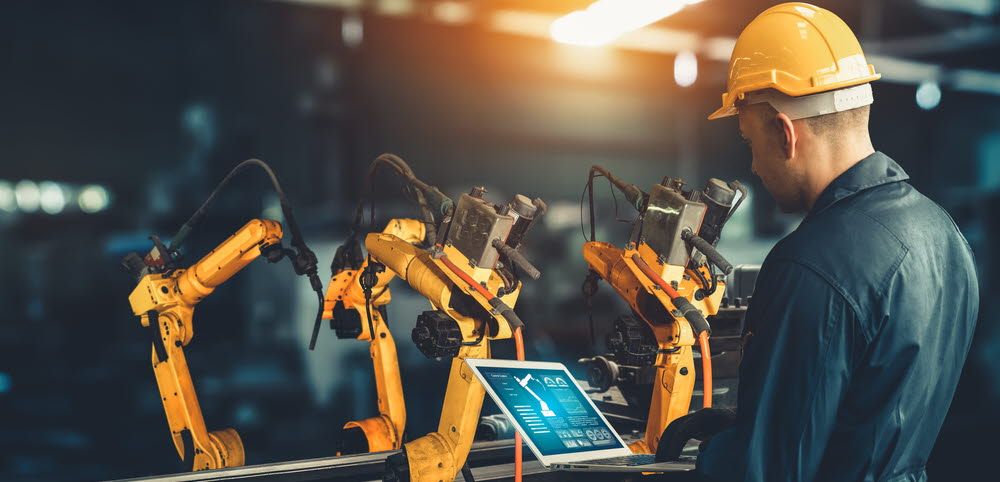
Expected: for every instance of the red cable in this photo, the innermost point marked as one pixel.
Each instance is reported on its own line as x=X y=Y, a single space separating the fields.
x=706 y=353
x=465 y=277
x=518 y=346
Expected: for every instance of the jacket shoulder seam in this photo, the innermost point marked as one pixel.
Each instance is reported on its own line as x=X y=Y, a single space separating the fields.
x=837 y=288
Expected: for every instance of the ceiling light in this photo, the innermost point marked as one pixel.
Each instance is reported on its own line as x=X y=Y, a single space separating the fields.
x=27 y=196
x=8 y=202
x=93 y=199
x=928 y=95
x=51 y=197
x=605 y=20
x=685 y=69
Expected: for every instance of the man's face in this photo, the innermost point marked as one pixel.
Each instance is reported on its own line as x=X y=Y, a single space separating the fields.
x=763 y=133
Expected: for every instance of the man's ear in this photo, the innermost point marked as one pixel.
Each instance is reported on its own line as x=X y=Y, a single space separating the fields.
x=785 y=124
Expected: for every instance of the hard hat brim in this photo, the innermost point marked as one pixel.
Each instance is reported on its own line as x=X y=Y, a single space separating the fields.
x=724 y=111
x=729 y=99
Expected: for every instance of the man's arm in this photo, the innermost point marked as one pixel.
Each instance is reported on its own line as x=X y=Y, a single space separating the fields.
x=795 y=371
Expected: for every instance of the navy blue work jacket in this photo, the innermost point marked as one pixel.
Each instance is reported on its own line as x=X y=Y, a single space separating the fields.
x=854 y=340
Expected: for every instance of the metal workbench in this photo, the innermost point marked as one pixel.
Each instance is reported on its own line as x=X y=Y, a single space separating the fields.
x=490 y=461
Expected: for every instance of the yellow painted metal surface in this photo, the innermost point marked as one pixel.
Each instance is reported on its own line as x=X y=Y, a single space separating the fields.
x=384 y=431
x=172 y=298
x=438 y=456
x=672 y=390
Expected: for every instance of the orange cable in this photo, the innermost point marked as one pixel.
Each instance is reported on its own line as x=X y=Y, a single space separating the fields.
x=518 y=459
x=706 y=370
x=706 y=353
x=518 y=346
x=465 y=277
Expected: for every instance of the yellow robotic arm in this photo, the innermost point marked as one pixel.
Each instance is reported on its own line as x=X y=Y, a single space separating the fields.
x=350 y=310
x=164 y=303
x=673 y=384
x=470 y=276
x=667 y=290
x=468 y=280
x=458 y=328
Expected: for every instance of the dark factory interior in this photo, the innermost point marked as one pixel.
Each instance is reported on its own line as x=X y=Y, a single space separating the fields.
x=120 y=118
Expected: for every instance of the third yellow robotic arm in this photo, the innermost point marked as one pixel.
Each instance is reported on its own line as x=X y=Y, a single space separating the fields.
x=469 y=273
x=663 y=276
x=467 y=280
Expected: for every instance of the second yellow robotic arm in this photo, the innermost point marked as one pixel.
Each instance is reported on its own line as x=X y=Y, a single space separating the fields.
x=355 y=314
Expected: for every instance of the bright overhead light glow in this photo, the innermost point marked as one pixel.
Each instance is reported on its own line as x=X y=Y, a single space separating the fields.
x=93 y=198
x=352 y=30
x=27 y=196
x=51 y=197
x=685 y=69
x=395 y=8
x=8 y=202
x=452 y=12
x=928 y=95
x=606 y=20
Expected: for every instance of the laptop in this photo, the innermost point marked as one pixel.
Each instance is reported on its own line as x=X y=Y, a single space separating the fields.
x=558 y=421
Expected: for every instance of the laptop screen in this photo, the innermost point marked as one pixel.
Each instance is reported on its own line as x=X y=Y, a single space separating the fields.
x=551 y=409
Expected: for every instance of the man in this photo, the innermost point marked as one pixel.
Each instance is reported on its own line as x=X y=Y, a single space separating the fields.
x=863 y=316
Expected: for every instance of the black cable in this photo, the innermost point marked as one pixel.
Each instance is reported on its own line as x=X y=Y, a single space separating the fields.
x=708 y=288
x=467 y=473
x=589 y=289
x=414 y=190
x=743 y=195
x=629 y=190
x=368 y=312
x=369 y=278
x=303 y=260
x=590 y=198
x=316 y=324
x=185 y=230
x=482 y=334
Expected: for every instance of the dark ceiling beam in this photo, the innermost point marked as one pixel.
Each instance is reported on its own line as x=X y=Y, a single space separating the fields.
x=951 y=41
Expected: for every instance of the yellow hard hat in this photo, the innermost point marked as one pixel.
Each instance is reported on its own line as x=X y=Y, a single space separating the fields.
x=797 y=49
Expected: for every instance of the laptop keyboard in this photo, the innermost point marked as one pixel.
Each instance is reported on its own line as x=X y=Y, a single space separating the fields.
x=625 y=461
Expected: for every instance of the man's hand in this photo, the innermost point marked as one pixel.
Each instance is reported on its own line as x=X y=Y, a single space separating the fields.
x=700 y=425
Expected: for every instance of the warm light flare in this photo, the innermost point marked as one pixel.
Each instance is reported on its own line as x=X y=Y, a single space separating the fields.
x=606 y=20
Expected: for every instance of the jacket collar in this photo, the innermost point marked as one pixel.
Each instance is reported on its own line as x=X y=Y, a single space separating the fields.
x=875 y=170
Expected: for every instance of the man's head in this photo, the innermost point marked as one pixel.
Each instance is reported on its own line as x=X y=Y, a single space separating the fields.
x=799 y=82
x=795 y=158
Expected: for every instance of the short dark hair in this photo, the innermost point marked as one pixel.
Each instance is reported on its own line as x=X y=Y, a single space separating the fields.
x=826 y=125
x=823 y=125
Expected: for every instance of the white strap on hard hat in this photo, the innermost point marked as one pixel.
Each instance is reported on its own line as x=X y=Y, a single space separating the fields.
x=816 y=104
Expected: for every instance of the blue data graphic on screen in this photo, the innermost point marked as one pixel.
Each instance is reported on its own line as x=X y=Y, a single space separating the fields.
x=554 y=413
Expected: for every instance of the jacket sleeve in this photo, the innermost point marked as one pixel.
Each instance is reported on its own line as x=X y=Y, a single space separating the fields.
x=798 y=355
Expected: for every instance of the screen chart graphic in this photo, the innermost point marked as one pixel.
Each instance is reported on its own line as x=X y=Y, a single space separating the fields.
x=551 y=409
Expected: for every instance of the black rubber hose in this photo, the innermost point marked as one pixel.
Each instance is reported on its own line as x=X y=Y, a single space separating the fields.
x=508 y=313
x=631 y=191
x=467 y=473
x=303 y=259
x=708 y=250
x=708 y=286
x=692 y=315
x=432 y=201
x=518 y=259
x=185 y=230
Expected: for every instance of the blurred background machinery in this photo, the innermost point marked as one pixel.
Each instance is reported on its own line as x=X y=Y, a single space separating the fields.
x=118 y=119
